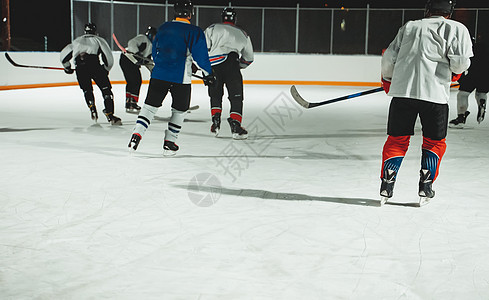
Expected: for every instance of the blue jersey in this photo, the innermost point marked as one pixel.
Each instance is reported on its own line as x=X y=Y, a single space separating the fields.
x=176 y=45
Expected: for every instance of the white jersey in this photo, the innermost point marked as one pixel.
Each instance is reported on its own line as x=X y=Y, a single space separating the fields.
x=141 y=45
x=225 y=38
x=89 y=44
x=421 y=59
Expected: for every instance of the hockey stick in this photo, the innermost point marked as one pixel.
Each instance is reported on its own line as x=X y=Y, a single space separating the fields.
x=302 y=102
x=10 y=60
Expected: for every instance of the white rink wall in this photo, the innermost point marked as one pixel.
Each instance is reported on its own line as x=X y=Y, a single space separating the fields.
x=267 y=67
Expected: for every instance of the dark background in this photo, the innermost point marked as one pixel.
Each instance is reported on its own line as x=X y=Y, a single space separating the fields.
x=32 y=21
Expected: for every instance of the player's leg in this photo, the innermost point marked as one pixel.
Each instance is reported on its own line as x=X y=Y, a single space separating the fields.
x=462 y=112
x=101 y=78
x=85 y=83
x=132 y=75
x=180 y=104
x=467 y=86
x=216 y=92
x=400 y=127
x=157 y=91
x=434 y=118
x=234 y=86
x=481 y=98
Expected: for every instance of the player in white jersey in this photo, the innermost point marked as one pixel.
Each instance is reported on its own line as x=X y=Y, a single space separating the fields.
x=138 y=53
x=420 y=62
x=85 y=51
x=230 y=50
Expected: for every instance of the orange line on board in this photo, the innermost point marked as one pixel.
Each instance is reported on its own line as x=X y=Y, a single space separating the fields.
x=275 y=82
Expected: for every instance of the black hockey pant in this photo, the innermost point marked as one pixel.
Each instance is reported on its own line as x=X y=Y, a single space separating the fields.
x=228 y=73
x=132 y=74
x=88 y=68
x=158 y=89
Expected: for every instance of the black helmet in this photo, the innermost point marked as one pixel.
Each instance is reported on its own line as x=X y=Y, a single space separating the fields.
x=150 y=32
x=90 y=28
x=442 y=7
x=229 y=15
x=183 y=8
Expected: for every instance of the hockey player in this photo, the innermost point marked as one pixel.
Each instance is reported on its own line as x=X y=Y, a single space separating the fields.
x=176 y=45
x=86 y=50
x=138 y=53
x=475 y=79
x=230 y=50
x=419 y=62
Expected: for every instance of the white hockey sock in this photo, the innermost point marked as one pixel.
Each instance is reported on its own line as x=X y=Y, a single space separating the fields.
x=479 y=96
x=175 y=125
x=145 y=117
x=462 y=102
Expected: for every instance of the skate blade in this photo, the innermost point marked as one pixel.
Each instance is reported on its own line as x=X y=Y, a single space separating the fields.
x=168 y=153
x=459 y=126
x=132 y=148
x=239 y=137
x=118 y=123
x=132 y=111
x=192 y=108
x=423 y=201
x=216 y=133
x=383 y=200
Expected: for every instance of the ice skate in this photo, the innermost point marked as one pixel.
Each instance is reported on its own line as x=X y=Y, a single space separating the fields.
x=482 y=110
x=170 y=148
x=132 y=106
x=93 y=111
x=425 y=187
x=239 y=133
x=459 y=122
x=113 y=120
x=387 y=186
x=134 y=142
x=216 y=124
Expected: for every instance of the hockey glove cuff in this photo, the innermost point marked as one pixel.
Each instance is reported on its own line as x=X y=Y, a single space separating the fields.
x=69 y=70
x=209 y=80
x=386 y=85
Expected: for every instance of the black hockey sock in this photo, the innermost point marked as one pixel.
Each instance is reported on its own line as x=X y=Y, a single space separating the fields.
x=89 y=98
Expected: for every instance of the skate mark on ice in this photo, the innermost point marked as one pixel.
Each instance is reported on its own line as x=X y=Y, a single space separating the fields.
x=24 y=129
x=166 y=119
x=318 y=136
x=407 y=204
x=264 y=194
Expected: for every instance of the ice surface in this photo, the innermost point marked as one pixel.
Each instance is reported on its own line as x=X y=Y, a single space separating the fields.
x=291 y=213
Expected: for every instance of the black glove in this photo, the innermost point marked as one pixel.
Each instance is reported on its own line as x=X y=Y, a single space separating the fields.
x=69 y=70
x=209 y=80
x=194 y=68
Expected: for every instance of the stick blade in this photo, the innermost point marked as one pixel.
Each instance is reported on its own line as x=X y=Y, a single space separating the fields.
x=298 y=98
x=10 y=60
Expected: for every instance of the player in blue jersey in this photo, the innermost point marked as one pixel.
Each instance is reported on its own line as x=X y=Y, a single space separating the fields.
x=176 y=45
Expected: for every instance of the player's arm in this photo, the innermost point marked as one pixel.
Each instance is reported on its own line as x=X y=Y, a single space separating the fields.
x=247 y=55
x=389 y=57
x=199 y=52
x=208 y=36
x=460 y=52
x=65 y=57
x=107 y=57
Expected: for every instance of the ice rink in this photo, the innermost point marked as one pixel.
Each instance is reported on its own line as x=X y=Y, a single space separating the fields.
x=291 y=213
